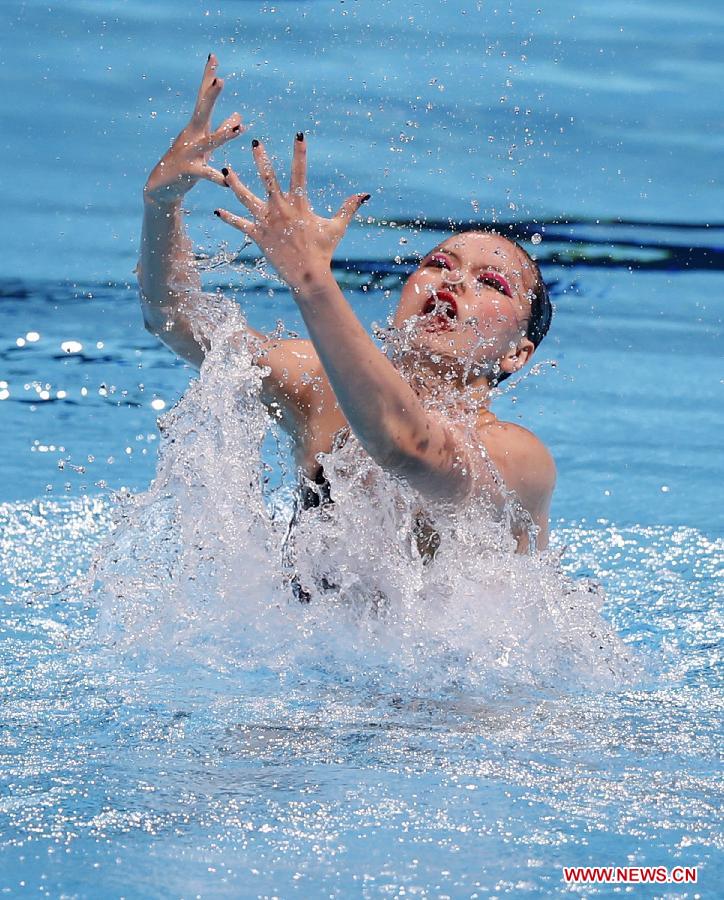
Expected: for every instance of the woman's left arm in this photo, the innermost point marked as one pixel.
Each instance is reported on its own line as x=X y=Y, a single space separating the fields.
x=380 y=406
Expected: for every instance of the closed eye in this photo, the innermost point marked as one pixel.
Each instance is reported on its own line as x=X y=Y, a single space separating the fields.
x=438 y=261
x=492 y=279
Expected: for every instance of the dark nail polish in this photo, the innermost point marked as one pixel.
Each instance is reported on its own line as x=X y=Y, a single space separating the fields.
x=300 y=135
x=366 y=198
x=213 y=83
x=236 y=128
x=224 y=172
x=208 y=57
x=255 y=143
x=217 y=213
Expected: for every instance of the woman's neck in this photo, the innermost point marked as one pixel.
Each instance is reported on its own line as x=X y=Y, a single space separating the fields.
x=445 y=384
x=444 y=387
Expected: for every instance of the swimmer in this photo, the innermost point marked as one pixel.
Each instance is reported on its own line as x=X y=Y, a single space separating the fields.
x=469 y=316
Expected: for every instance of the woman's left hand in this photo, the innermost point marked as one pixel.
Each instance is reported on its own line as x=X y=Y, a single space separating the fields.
x=296 y=241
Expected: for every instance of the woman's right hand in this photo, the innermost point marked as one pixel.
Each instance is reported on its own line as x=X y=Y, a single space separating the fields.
x=186 y=162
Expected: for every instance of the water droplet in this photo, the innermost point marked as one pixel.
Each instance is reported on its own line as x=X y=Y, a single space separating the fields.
x=536 y=238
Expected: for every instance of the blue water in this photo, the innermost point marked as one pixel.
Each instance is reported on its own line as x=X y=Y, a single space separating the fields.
x=125 y=773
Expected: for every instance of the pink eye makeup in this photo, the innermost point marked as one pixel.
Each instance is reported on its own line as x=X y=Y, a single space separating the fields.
x=439 y=260
x=497 y=281
x=490 y=278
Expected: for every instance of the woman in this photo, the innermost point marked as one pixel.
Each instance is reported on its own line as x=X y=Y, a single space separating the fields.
x=469 y=316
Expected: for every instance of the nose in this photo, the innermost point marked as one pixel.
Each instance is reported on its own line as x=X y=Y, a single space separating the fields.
x=454 y=278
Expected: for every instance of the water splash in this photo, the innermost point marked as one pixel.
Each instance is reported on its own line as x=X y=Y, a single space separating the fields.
x=235 y=261
x=181 y=551
x=201 y=566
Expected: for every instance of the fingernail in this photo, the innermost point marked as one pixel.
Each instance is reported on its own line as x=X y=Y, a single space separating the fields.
x=300 y=135
x=255 y=143
x=224 y=172
x=236 y=128
x=213 y=83
x=208 y=57
x=366 y=198
x=217 y=213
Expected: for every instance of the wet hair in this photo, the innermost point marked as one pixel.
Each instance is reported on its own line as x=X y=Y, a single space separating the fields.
x=541 y=310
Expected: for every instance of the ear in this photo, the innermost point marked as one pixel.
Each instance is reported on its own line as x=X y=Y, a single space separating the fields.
x=517 y=357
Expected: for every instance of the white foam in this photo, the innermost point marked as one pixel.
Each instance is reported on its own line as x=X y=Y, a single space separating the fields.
x=199 y=566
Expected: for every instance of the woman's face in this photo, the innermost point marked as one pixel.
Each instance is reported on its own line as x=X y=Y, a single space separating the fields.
x=468 y=300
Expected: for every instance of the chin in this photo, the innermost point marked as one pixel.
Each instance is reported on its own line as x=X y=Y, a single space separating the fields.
x=435 y=341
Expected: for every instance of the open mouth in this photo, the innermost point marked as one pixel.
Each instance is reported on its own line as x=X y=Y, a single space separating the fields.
x=440 y=310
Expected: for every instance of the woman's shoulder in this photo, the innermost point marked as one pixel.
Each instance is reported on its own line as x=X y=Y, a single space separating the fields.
x=525 y=464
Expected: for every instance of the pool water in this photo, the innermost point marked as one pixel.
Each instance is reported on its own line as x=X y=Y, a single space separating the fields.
x=225 y=745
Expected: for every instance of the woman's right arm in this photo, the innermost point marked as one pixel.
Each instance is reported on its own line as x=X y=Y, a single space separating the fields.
x=169 y=283
x=170 y=286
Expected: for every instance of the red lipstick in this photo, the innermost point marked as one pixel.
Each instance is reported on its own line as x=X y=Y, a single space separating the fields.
x=441 y=309
x=442 y=301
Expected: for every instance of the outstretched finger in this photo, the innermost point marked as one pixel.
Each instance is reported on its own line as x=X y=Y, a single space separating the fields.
x=228 y=130
x=298 y=180
x=265 y=169
x=247 y=197
x=211 y=174
x=208 y=95
x=350 y=207
x=208 y=76
x=209 y=72
x=238 y=222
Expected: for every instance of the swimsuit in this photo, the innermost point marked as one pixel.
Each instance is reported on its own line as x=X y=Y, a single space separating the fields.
x=315 y=494
x=312 y=494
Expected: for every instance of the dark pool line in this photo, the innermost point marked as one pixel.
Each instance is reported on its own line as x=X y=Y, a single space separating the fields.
x=670 y=258
x=562 y=246
x=89 y=401
x=13 y=354
x=51 y=291
x=530 y=227
x=703 y=249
